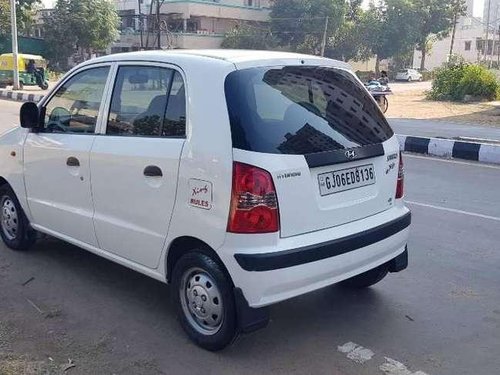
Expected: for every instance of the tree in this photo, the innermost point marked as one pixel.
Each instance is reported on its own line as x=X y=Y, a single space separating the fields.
x=435 y=19
x=350 y=40
x=391 y=29
x=459 y=9
x=246 y=36
x=24 y=13
x=4 y=17
x=88 y=25
x=299 y=24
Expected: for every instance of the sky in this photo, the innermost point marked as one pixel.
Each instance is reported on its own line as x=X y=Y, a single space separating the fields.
x=478 y=6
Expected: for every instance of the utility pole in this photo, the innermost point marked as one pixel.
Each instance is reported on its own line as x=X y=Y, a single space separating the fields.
x=495 y=27
x=15 y=51
x=487 y=31
x=323 y=43
x=455 y=21
x=498 y=48
x=139 y=2
x=158 y=23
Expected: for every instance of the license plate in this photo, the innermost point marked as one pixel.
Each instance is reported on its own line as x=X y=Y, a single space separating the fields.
x=346 y=179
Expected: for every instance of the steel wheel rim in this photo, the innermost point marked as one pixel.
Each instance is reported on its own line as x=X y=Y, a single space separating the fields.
x=201 y=301
x=9 y=218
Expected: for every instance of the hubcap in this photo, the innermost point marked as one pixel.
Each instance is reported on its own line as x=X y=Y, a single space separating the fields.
x=9 y=219
x=201 y=301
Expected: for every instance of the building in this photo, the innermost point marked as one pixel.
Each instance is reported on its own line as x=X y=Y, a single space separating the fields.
x=183 y=23
x=468 y=36
x=39 y=19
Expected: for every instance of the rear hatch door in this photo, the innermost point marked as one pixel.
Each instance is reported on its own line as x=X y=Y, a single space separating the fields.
x=317 y=130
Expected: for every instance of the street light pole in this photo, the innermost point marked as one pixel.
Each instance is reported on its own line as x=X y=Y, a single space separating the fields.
x=158 y=20
x=323 y=42
x=486 y=46
x=13 y=22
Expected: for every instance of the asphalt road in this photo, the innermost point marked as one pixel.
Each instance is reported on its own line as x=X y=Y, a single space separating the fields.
x=430 y=128
x=441 y=316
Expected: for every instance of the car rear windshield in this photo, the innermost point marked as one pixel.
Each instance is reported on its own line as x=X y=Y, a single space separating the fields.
x=301 y=110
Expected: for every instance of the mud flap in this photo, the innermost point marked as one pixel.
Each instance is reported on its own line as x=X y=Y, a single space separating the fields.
x=399 y=263
x=249 y=319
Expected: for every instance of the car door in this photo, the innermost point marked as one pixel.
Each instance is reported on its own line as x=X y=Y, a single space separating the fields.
x=136 y=160
x=56 y=157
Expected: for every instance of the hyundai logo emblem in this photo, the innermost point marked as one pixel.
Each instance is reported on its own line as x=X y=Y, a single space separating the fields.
x=350 y=154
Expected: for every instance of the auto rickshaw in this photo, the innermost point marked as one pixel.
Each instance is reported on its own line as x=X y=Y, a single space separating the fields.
x=25 y=78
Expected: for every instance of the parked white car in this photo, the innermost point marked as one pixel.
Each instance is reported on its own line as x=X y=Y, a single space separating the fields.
x=409 y=75
x=243 y=178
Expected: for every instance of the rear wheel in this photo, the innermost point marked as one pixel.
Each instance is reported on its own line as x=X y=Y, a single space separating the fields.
x=368 y=278
x=15 y=229
x=204 y=300
x=44 y=85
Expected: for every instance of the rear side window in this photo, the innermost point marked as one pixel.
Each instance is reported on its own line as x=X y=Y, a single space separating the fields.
x=147 y=101
x=301 y=110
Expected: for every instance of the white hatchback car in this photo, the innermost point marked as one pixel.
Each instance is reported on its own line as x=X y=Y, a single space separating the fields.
x=409 y=75
x=243 y=178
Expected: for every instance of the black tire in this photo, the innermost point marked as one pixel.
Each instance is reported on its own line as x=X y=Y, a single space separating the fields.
x=409 y=80
x=198 y=263
x=368 y=278
x=44 y=85
x=23 y=237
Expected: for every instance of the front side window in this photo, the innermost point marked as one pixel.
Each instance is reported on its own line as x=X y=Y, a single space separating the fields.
x=301 y=110
x=75 y=106
x=147 y=101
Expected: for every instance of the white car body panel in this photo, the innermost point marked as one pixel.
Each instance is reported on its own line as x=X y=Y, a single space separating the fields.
x=124 y=224
x=137 y=219
x=12 y=162
x=59 y=196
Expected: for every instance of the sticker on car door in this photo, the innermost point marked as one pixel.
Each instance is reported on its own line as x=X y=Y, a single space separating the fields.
x=200 y=193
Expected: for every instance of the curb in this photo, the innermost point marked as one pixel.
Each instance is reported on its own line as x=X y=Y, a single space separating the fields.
x=19 y=96
x=450 y=148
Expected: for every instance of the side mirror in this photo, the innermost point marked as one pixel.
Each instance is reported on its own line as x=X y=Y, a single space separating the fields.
x=29 y=115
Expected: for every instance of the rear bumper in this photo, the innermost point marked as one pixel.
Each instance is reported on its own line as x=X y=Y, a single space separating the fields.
x=313 y=253
x=270 y=270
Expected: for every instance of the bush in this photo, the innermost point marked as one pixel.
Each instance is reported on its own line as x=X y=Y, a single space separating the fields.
x=461 y=80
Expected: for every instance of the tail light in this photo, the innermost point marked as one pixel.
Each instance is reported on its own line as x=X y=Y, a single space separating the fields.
x=254 y=205
x=401 y=178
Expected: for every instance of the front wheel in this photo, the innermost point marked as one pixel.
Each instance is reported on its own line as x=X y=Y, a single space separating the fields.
x=15 y=229
x=44 y=85
x=204 y=300
x=409 y=79
x=368 y=278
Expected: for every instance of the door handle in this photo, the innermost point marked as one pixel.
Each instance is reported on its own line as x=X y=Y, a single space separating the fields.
x=72 y=162
x=153 y=171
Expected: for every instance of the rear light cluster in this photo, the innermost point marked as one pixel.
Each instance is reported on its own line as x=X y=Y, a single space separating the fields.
x=401 y=178
x=254 y=205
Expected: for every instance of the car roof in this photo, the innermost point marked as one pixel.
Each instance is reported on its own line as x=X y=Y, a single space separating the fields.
x=217 y=56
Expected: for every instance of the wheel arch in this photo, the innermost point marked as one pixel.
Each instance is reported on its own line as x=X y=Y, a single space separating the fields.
x=3 y=181
x=182 y=245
